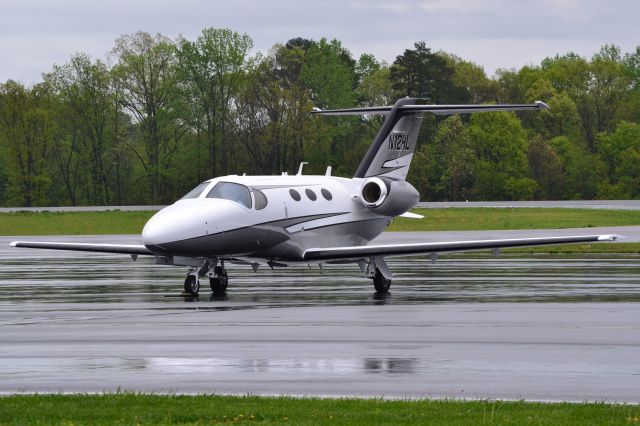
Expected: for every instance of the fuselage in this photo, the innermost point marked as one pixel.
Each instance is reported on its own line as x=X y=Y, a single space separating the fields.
x=271 y=217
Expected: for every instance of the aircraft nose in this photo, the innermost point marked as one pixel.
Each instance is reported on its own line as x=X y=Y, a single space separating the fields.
x=156 y=230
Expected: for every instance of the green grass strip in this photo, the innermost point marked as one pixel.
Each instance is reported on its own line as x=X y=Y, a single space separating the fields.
x=142 y=409
x=484 y=219
x=73 y=223
x=455 y=219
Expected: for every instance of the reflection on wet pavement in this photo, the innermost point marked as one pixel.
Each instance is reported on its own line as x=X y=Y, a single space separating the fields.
x=467 y=326
x=108 y=279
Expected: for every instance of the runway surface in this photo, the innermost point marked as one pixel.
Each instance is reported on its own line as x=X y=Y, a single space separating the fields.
x=468 y=326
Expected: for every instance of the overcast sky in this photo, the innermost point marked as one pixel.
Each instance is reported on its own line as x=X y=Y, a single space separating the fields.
x=34 y=34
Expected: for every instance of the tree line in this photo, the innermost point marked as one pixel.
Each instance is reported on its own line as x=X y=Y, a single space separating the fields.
x=161 y=115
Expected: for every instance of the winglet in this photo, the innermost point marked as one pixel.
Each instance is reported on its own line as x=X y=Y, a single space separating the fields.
x=542 y=105
x=611 y=237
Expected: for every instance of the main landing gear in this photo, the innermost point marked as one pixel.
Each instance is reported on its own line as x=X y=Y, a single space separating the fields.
x=218 y=279
x=379 y=272
x=380 y=283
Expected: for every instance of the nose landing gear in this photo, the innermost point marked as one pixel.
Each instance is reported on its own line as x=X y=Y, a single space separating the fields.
x=192 y=284
x=218 y=279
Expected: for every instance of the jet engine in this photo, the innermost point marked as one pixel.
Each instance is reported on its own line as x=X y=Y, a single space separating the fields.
x=388 y=197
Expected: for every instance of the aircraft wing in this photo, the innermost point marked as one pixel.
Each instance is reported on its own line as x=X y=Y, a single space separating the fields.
x=384 y=250
x=100 y=248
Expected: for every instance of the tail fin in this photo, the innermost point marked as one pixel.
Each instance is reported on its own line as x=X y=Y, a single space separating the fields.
x=392 y=149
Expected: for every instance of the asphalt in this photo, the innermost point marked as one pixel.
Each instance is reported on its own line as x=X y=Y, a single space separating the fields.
x=468 y=326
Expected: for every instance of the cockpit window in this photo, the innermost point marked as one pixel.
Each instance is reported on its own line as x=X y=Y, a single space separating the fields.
x=260 y=199
x=195 y=192
x=231 y=191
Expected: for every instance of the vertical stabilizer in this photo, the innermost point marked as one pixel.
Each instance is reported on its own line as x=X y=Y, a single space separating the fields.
x=392 y=149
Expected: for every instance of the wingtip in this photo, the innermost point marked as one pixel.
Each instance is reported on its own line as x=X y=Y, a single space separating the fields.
x=611 y=237
x=542 y=105
x=14 y=243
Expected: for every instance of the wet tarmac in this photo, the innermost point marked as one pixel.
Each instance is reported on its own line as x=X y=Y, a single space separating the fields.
x=468 y=326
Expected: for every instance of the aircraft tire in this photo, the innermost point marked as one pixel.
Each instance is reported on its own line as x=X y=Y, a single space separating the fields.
x=219 y=283
x=192 y=285
x=380 y=283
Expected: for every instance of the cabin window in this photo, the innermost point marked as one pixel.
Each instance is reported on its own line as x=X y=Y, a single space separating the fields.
x=312 y=195
x=195 y=192
x=260 y=199
x=295 y=194
x=326 y=194
x=231 y=191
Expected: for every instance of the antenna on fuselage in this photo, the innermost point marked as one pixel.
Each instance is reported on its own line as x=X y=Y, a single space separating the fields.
x=328 y=172
x=300 y=168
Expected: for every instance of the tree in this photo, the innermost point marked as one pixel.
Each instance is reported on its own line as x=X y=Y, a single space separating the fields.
x=423 y=74
x=84 y=87
x=471 y=79
x=545 y=167
x=583 y=171
x=146 y=75
x=26 y=129
x=272 y=117
x=376 y=89
x=212 y=69
x=620 y=150
x=444 y=170
x=367 y=64
x=500 y=145
x=329 y=72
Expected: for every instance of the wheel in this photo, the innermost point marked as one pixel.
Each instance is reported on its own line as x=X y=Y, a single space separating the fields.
x=219 y=282
x=192 y=285
x=381 y=283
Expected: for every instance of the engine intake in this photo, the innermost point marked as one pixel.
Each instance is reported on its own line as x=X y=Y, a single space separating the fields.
x=374 y=192
x=388 y=197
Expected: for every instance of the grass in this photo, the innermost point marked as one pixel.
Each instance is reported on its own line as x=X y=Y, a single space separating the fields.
x=134 y=408
x=73 y=223
x=458 y=219
x=483 y=219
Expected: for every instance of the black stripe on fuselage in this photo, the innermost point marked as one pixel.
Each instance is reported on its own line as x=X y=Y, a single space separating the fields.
x=280 y=223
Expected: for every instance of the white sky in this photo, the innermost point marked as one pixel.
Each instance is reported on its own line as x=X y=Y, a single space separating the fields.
x=35 y=34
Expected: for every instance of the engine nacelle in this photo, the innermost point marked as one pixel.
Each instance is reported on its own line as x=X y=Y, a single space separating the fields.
x=388 y=197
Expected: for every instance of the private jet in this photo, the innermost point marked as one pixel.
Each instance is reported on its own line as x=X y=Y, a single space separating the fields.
x=292 y=219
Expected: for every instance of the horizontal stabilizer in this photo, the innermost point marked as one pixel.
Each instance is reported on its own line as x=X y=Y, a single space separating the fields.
x=409 y=215
x=99 y=248
x=434 y=109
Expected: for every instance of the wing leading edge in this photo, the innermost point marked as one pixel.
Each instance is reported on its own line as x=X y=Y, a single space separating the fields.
x=384 y=250
x=99 y=248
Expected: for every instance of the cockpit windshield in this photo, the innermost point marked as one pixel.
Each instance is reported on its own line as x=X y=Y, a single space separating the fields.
x=231 y=191
x=195 y=192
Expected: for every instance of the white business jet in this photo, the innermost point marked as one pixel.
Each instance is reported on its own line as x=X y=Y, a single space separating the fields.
x=287 y=219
